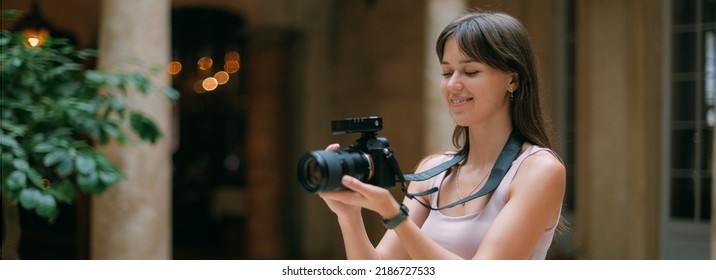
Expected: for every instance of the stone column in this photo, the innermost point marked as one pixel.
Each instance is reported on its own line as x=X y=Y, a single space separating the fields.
x=618 y=88
x=132 y=220
x=438 y=122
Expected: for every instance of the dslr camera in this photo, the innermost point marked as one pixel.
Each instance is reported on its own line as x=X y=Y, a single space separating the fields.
x=369 y=159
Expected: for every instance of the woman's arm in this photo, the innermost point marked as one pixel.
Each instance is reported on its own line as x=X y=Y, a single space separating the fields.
x=534 y=202
x=533 y=205
x=406 y=241
x=347 y=204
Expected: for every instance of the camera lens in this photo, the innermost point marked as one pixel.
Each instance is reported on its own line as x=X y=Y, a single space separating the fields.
x=312 y=171
x=320 y=171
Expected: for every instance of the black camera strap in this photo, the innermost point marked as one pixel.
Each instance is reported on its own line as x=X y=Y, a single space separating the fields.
x=502 y=164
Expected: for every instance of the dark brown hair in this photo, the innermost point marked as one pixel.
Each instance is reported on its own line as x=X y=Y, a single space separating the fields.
x=501 y=42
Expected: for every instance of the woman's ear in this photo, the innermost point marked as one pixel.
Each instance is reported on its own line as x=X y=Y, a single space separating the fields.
x=514 y=81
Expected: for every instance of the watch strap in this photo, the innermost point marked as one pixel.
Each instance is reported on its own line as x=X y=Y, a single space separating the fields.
x=399 y=218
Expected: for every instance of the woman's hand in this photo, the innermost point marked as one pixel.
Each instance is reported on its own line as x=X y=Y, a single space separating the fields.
x=367 y=196
x=359 y=195
x=341 y=209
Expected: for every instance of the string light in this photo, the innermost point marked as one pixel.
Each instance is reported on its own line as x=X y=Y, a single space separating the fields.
x=210 y=83
x=221 y=77
x=174 y=67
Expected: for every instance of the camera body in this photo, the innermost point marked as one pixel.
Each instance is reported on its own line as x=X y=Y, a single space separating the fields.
x=367 y=159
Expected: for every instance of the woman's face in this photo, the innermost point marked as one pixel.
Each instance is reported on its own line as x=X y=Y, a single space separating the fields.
x=475 y=92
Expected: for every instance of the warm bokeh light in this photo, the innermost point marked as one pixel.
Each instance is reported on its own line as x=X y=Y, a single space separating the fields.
x=221 y=77
x=198 y=87
x=229 y=56
x=35 y=38
x=34 y=42
x=231 y=66
x=210 y=83
x=205 y=63
x=231 y=62
x=174 y=67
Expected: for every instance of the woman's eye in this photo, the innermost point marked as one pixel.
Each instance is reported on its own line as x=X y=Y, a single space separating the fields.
x=471 y=74
x=447 y=74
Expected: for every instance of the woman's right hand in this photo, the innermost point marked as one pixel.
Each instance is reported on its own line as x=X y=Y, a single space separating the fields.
x=341 y=209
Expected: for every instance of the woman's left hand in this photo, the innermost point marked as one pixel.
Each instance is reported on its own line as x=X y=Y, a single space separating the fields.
x=367 y=196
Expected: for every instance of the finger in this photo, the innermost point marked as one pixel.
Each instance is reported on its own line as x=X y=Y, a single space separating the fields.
x=333 y=147
x=335 y=195
x=354 y=184
x=345 y=196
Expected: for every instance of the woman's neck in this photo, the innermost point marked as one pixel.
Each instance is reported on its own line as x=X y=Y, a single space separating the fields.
x=486 y=143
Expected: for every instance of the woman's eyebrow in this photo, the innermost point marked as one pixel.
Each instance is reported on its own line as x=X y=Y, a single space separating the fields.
x=464 y=61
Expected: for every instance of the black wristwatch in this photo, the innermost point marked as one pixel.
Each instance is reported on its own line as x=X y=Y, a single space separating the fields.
x=399 y=218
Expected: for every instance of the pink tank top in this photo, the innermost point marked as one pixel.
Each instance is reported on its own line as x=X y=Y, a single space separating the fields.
x=462 y=235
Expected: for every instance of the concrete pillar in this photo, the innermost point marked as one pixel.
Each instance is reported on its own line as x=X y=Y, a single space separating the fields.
x=438 y=122
x=132 y=220
x=618 y=74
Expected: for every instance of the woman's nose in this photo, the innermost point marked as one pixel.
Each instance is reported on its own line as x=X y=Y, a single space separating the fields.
x=454 y=83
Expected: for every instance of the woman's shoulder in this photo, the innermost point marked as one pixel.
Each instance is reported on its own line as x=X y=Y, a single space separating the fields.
x=537 y=157
x=542 y=168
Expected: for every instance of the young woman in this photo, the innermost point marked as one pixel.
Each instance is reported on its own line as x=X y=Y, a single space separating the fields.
x=489 y=85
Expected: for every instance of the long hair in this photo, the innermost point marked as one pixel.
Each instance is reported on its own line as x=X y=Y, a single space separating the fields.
x=501 y=42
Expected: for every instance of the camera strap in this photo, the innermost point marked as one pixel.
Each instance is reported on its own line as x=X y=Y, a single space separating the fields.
x=502 y=164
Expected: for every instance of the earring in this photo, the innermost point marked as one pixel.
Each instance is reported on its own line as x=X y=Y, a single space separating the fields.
x=512 y=94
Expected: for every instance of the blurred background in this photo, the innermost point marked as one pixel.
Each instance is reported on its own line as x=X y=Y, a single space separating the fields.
x=628 y=88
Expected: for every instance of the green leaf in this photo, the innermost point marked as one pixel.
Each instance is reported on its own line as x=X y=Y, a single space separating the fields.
x=88 y=182
x=6 y=140
x=95 y=77
x=64 y=169
x=91 y=127
x=20 y=164
x=10 y=14
x=35 y=178
x=54 y=157
x=47 y=208
x=16 y=180
x=15 y=62
x=85 y=164
x=6 y=158
x=68 y=89
x=116 y=103
x=61 y=70
x=30 y=198
x=44 y=204
x=63 y=191
x=86 y=53
x=109 y=178
x=145 y=128
x=112 y=129
x=43 y=147
x=142 y=83
x=170 y=92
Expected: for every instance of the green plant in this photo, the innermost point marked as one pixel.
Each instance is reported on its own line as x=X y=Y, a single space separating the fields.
x=54 y=113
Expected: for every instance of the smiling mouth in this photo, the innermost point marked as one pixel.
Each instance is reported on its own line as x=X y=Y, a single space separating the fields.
x=458 y=101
